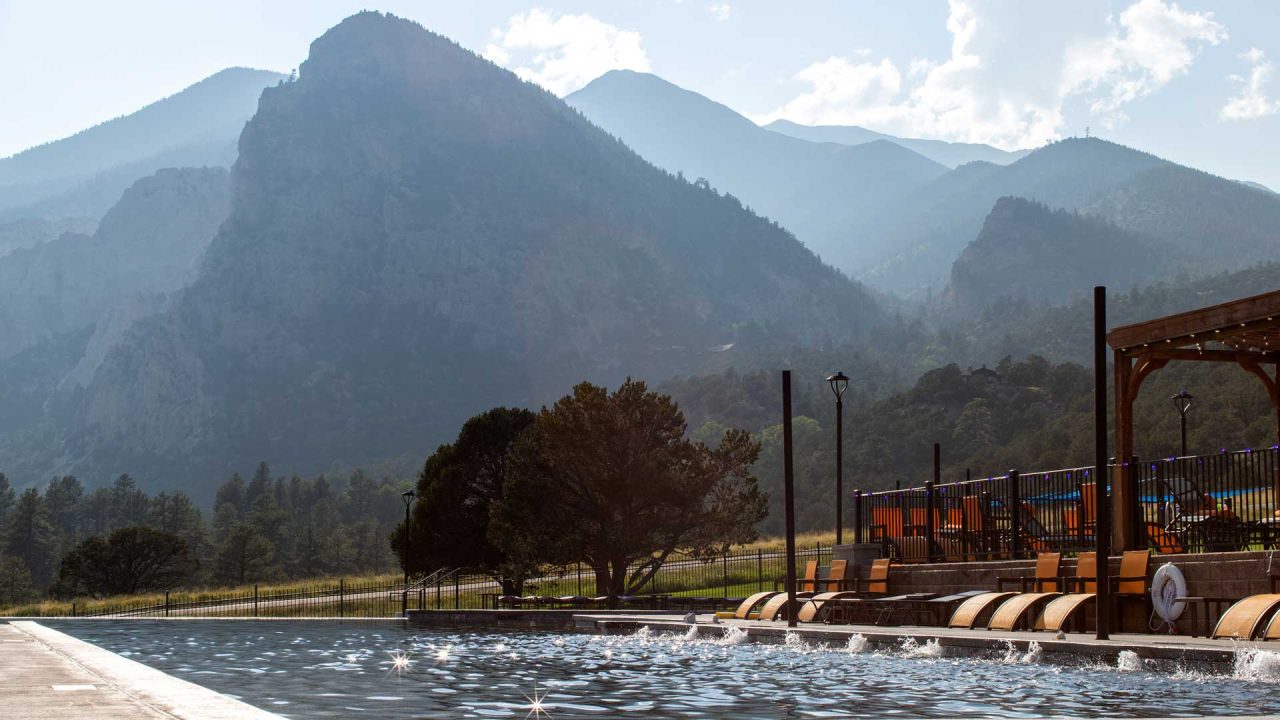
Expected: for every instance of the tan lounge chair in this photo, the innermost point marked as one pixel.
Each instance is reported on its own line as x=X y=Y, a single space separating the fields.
x=746 y=607
x=971 y=611
x=1243 y=620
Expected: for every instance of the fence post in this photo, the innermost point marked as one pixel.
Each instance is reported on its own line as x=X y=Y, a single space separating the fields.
x=857 y=516
x=928 y=518
x=166 y=603
x=1137 y=528
x=759 y=570
x=579 y=578
x=255 y=600
x=404 y=602
x=456 y=599
x=724 y=566
x=342 y=587
x=1015 y=513
x=73 y=609
x=437 y=594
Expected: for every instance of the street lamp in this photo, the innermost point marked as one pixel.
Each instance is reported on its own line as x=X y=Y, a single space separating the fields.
x=839 y=383
x=408 y=497
x=1182 y=401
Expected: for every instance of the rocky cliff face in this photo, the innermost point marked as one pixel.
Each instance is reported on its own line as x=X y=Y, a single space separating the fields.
x=416 y=235
x=146 y=246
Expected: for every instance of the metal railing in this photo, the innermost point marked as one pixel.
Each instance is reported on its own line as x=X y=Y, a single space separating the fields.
x=339 y=598
x=1224 y=501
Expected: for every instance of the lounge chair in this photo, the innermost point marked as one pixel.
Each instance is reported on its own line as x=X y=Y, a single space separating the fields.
x=815 y=609
x=971 y=611
x=1060 y=609
x=747 y=608
x=1014 y=607
x=838 y=606
x=1243 y=620
x=1163 y=541
x=776 y=607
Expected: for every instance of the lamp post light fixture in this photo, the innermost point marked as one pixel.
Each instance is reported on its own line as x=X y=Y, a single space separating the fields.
x=839 y=383
x=408 y=497
x=1182 y=401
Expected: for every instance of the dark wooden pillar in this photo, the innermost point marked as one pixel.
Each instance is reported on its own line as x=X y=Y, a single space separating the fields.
x=1102 y=603
x=1122 y=473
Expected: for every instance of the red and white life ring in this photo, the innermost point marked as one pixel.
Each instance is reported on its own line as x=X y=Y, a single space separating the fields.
x=1167 y=585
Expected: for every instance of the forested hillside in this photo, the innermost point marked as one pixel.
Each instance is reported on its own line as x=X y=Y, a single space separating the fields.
x=415 y=235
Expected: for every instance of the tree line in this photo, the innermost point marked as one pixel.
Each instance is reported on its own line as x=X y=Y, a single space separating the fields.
x=65 y=540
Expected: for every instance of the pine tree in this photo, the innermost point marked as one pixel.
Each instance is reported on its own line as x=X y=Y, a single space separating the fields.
x=30 y=538
x=244 y=557
x=62 y=498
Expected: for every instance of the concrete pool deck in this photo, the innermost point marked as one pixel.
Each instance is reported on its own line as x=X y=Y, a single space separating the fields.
x=48 y=674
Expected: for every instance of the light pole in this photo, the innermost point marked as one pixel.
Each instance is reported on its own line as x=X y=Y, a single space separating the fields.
x=1182 y=401
x=839 y=383
x=408 y=497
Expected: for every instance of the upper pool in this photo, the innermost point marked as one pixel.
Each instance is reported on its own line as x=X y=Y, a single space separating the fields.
x=312 y=669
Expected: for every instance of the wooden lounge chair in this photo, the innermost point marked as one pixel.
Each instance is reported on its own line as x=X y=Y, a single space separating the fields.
x=817 y=607
x=971 y=611
x=835 y=579
x=807 y=583
x=1014 y=613
x=1243 y=620
x=747 y=608
x=1060 y=609
x=776 y=607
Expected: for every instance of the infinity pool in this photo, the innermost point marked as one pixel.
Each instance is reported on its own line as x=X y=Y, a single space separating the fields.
x=313 y=670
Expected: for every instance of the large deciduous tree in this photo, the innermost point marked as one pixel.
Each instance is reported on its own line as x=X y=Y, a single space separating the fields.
x=457 y=487
x=130 y=560
x=611 y=480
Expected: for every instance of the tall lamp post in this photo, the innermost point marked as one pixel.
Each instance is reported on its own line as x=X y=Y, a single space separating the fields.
x=839 y=383
x=408 y=497
x=1182 y=401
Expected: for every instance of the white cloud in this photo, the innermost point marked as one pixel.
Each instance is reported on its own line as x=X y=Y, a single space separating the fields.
x=1154 y=43
x=991 y=90
x=564 y=52
x=1252 y=101
x=721 y=11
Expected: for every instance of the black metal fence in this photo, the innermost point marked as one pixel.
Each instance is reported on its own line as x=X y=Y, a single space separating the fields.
x=1225 y=501
x=681 y=582
x=338 y=598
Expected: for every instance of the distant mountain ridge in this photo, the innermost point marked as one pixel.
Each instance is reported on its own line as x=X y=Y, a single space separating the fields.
x=416 y=235
x=950 y=154
x=1216 y=223
x=84 y=174
x=819 y=191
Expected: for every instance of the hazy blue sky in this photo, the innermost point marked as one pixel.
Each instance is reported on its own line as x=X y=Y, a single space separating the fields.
x=1191 y=81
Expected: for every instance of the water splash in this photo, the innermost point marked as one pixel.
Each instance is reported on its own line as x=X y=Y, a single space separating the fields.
x=793 y=640
x=1254 y=664
x=1128 y=661
x=734 y=635
x=1034 y=651
x=857 y=644
x=691 y=634
x=643 y=633
x=1014 y=656
x=912 y=649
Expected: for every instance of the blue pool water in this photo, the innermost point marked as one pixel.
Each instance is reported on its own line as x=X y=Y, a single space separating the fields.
x=315 y=670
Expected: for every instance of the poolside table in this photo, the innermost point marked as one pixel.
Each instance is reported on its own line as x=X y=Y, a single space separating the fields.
x=1201 y=608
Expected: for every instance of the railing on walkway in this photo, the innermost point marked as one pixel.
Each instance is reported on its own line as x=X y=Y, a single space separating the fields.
x=338 y=598
x=1224 y=501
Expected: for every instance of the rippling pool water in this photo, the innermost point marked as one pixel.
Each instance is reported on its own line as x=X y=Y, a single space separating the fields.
x=309 y=669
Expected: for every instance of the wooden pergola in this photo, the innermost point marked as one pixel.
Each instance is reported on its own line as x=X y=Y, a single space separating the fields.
x=1245 y=332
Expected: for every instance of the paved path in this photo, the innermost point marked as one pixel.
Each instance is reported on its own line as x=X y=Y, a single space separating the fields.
x=47 y=674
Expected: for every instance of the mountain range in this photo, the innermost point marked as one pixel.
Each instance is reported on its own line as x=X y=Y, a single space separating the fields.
x=83 y=175
x=415 y=235
x=951 y=154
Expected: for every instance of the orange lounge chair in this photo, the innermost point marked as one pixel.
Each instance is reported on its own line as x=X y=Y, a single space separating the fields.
x=1162 y=540
x=1060 y=609
x=776 y=607
x=746 y=609
x=1014 y=612
x=971 y=611
x=805 y=583
x=818 y=606
x=1243 y=620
